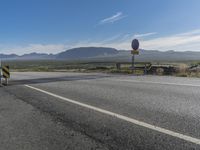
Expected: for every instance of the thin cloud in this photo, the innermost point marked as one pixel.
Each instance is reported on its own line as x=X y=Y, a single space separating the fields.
x=144 y=35
x=193 y=32
x=112 y=39
x=38 y=48
x=118 y=16
x=187 y=41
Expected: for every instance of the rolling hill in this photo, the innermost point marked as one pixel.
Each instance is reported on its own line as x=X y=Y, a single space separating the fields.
x=107 y=54
x=86 y=52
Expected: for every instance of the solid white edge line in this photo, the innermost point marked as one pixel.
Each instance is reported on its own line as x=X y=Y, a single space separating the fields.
x=161 y=83
x=128 y=119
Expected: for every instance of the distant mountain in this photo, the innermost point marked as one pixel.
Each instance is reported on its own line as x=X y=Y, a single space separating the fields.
x=153 y=55
x=107 y=54
x=31 y=56
x=8 y=56
x=86 y=52
x=36 y=56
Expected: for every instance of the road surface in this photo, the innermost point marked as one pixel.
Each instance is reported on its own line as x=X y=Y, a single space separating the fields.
x=48 y=111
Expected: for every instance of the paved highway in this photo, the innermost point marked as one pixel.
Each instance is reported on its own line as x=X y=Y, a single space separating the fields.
x=48 y=111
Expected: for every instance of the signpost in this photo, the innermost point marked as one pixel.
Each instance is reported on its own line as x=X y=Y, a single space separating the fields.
x=4 y=73
x=135 y=46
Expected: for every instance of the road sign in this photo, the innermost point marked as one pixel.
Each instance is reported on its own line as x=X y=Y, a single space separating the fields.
x=135 y=44
x=135 y=52
x=6 y=72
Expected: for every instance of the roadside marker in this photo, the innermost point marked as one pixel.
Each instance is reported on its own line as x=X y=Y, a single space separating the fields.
x=6 y=73
x=125 y=118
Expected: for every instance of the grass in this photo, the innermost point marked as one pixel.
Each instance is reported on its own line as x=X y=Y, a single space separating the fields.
x=67 y=66
x=54 y=65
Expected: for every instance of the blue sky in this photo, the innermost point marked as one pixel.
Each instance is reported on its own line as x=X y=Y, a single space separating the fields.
x=52 y=26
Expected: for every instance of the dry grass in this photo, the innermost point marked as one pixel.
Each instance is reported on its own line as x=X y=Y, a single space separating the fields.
x=181 y=69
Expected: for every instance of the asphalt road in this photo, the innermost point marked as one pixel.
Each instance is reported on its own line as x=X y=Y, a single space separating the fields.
x=48 y=111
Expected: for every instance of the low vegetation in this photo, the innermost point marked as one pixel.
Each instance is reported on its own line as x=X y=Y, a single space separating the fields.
x=181 y=69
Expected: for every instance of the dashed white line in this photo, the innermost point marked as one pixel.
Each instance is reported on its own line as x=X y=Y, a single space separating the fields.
x=125 y=118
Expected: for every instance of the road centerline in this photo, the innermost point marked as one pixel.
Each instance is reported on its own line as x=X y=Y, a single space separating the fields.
x=122 y=117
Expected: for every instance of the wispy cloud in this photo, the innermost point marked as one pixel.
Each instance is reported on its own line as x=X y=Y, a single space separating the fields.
x=144 y=35
x=186 y=41
x=116 y=17
x=112 y=38
x=38 y=48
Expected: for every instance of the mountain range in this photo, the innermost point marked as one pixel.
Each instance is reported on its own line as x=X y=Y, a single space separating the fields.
x=107 y=54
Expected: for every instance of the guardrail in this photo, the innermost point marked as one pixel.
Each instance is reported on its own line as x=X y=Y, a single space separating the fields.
x=145 y=66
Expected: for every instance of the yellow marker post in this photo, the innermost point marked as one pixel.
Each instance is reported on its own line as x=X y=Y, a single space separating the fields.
x=6 y=73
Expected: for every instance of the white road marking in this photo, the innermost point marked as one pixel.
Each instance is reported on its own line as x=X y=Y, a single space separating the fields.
x=161 y=83
x=128 y=119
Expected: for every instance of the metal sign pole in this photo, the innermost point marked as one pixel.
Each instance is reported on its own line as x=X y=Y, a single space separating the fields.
x=133 y=63
x=135 y=46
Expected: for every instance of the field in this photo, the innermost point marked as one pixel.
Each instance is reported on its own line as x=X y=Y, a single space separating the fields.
x=54 y=65
x=183 y=69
